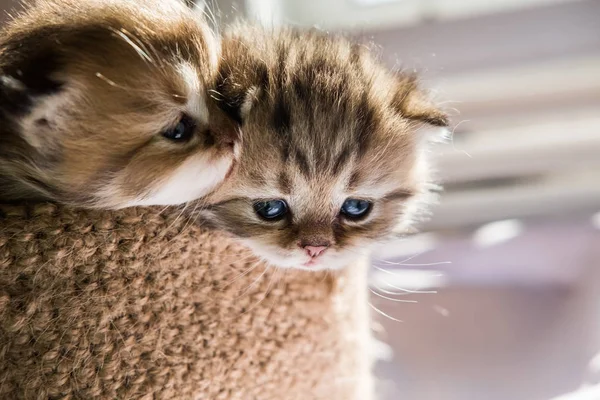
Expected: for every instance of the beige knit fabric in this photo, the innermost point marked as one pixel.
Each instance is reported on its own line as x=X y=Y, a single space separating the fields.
x=142 y=304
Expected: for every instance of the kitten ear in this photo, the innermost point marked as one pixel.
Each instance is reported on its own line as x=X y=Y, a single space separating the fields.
x=30 y=60
x=234 y=99
x=28 y=64
x=415 y=104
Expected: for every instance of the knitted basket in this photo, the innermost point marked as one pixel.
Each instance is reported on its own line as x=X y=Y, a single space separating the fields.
x=143 y=304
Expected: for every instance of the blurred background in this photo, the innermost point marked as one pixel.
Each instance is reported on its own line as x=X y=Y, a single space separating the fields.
x=499 y=297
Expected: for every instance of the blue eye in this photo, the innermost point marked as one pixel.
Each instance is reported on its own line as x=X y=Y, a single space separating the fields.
x=356 y=208
x=182 y=132
x=271 y=209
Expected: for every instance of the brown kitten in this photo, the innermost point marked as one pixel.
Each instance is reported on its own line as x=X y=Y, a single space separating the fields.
x=103 y=103
x=332 y=158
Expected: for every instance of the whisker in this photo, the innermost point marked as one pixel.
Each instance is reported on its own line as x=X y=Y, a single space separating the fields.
x=264 y=296
x=399 y=288
x=325 y=276
x=240 y=275
x=391 y=298
x=190 y=221
x=399 y=262
x=420 y=265
x=114 y=84
x=390 y=292
x=452 y=138
x=253 y=283
x=281 y=279
x=123 y=34
x=384 y=314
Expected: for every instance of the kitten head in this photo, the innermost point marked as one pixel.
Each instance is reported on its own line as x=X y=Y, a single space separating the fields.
x=332 y=155
x=103 y=103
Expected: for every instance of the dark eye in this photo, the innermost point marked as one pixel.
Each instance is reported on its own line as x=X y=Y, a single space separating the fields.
x=182 y=132
x=271 y=209
x=356 y=208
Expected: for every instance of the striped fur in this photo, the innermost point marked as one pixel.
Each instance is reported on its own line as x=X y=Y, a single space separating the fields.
x=322 y=121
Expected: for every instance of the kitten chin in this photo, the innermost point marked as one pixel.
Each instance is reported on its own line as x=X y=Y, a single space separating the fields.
x=332 y=259
x=333 y=152
x=105 y=104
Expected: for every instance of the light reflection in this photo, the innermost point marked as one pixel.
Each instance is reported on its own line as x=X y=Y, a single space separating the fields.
x=497 y=232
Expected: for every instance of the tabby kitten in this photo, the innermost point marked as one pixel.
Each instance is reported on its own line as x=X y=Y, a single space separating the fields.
x=333 y=155
x=104 y=103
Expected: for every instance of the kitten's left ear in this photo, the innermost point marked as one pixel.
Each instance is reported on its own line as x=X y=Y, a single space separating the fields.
x=415 y=104
x=28 y=61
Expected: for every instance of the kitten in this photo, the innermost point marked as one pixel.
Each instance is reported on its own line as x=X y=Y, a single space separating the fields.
x=103 y=103
x=333 y=154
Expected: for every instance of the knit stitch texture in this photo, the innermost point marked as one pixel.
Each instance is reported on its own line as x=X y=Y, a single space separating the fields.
x=145 y=304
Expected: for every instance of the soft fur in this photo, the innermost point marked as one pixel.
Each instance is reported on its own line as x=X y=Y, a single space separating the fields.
x=322 y=121
x=87 y=87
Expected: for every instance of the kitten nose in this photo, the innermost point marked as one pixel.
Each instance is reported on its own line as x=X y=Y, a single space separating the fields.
x=315 y=251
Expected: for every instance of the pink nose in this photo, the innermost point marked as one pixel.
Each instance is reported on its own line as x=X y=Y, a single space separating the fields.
x=315 y=251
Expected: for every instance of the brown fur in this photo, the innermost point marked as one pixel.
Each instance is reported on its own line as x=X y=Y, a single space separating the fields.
x=322 y=122
x=88 y=86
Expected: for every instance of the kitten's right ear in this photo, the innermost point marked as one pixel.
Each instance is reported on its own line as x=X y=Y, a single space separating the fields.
x=413 y=103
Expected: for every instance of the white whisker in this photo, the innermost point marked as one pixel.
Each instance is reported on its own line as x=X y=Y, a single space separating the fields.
x=123 y=34
x=399 y=288
x=421 y=265
x=384 y=314
x=390 y=292
x=392 y=299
